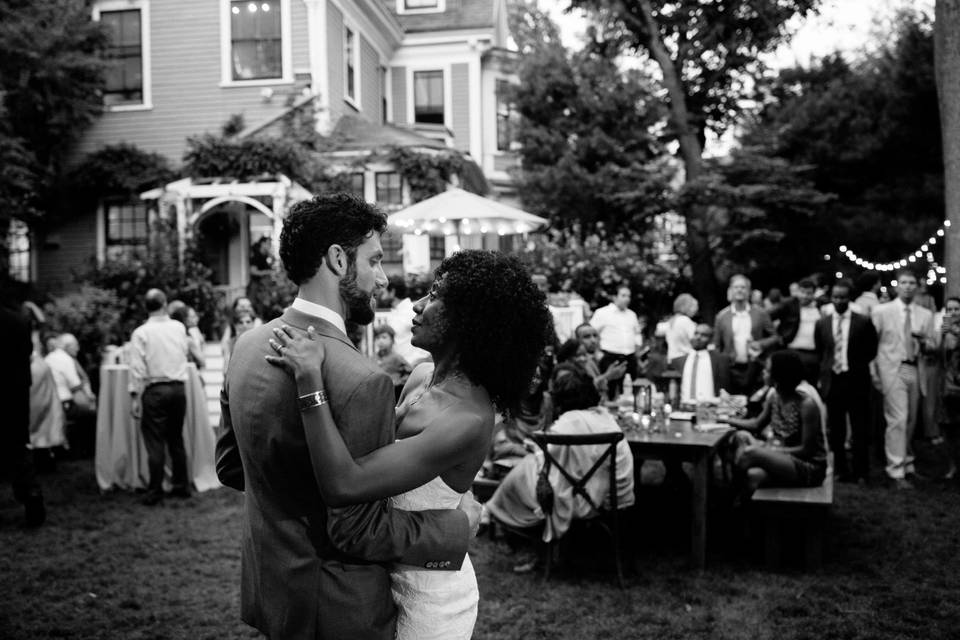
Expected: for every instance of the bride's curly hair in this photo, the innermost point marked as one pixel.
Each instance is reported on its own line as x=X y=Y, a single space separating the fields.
x=499 y=318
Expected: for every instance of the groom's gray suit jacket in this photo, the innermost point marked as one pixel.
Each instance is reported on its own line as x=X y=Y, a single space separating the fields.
x=310 y=571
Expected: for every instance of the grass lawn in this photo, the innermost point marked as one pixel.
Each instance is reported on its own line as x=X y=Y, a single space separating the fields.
x=107 y=567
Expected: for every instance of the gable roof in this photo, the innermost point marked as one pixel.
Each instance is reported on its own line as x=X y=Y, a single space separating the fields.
x=458 y=14
x=354 y=133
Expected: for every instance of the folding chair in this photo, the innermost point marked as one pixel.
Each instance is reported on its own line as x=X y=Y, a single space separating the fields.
x=579 y=484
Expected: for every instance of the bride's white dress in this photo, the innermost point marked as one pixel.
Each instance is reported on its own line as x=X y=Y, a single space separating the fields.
x=434 y=604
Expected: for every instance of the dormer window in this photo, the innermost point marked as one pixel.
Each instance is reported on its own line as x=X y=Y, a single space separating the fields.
x=420 y=6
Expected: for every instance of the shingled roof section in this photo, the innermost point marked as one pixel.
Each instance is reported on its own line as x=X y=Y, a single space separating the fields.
x=353 y=133
x=459 y=14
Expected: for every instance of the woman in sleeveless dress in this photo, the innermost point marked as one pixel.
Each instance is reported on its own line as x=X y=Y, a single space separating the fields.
x=485 y=324
x=795 y=452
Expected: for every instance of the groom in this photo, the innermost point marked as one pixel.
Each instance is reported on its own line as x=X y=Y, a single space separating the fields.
x=310 y=571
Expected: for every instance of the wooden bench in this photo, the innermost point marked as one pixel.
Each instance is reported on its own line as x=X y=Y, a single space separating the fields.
x=804 y=509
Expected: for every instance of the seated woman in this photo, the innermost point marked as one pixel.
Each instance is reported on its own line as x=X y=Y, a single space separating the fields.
x=793 y=418
x=515 y=504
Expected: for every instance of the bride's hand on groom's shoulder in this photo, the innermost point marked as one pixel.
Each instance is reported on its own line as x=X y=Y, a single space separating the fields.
x=298 y=352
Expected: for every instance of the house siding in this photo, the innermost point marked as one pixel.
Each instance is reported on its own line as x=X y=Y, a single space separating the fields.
x=186 y=74
x=460 y=105
x=399 y=88
x=370 y=95
x=335 y=63
x=76 y=245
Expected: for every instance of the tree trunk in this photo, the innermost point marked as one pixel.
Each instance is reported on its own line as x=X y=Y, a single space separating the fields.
x=947 y=65
x=698 y=238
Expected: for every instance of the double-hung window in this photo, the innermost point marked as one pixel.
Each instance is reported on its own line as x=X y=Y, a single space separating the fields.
x=351 y=72
x=256 y=40
x=389 y=188
x=127 y=75
x=428 y=97
x=126 y=226
x=506 y=117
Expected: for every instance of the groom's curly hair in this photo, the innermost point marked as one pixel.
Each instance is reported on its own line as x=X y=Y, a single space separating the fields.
x=499 y=319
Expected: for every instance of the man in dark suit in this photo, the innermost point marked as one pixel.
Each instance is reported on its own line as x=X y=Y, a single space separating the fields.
x=744 y=333
x=310 y=571
x=703 y=373
x=797 y=317
x=846 y=343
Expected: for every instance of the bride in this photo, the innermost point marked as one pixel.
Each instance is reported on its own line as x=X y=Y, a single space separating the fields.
x=485 y=324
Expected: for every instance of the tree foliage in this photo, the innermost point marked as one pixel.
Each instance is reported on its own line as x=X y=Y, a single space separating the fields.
x=947 y=66
x=758 y=207
x=869 y=130
x=707 y=52
x=589 y=153
x=51 y=77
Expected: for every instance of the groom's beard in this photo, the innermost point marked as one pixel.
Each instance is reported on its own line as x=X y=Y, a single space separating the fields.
x=359 y=302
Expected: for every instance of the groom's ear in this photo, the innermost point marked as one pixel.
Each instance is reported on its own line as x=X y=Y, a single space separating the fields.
x=336 y=260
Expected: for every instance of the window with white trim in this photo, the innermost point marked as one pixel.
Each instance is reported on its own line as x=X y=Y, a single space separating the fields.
x=18 y=250
x=350 y=54
x=506 y=117
x=428 y=97
x=124 y=74
x=420 y=6
x=256 y=40
x=389 y=188
x=127 y=226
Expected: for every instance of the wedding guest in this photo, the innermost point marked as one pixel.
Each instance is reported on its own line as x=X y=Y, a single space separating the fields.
x=392 y=363
x=905 y=331
x=590 y=339
x=797 y=317
x=158 y=370
x=744 y=333
x=242 y=304
x=620 y=337
x=187 y=315
x=75 y=393
x=678 y=329
x=15 y=459
x=868 y=286
x=846 y=344
x=950 y=352
x=703 y=372
x=515 y=504
x=795 y=453
x=400 y=318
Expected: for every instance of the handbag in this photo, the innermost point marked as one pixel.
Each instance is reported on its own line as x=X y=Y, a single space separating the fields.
x=544 y=490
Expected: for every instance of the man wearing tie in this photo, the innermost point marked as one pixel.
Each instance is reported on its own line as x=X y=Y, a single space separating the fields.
x=703 y=373
x=904 y=330
x=846 y=343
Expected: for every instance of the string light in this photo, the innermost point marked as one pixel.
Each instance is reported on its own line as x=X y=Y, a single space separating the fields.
x=911 y=258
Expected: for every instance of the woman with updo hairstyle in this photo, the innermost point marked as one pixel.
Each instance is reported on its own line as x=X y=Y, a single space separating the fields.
x=485 y=323
x=792 y=423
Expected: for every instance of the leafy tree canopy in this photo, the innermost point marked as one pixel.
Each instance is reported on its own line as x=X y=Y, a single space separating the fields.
x=589 y=152
x=869 y=130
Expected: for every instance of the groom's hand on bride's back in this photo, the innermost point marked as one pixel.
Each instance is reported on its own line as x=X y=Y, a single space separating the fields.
x=473 y=510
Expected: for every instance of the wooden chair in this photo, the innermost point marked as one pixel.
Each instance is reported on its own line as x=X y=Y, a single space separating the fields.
x=608 y=518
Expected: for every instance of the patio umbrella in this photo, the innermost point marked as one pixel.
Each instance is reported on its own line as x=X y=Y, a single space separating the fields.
x=458 y=212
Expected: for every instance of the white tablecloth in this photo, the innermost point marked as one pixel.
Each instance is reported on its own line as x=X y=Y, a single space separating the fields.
x=121 y=457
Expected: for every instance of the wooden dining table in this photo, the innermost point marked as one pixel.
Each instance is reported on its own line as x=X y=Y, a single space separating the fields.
x=682 y=441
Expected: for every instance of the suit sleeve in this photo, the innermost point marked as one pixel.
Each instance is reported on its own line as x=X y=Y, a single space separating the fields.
x=376 y=532
x=229 y=467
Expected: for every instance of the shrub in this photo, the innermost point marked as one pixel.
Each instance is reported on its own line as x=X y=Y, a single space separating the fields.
x=129 y=276
x=91 y=314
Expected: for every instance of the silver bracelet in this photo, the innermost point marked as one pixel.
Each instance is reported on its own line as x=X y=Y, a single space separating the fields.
x=312 y=400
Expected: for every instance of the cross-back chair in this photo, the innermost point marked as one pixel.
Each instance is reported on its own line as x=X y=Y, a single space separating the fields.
x=607 y=518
